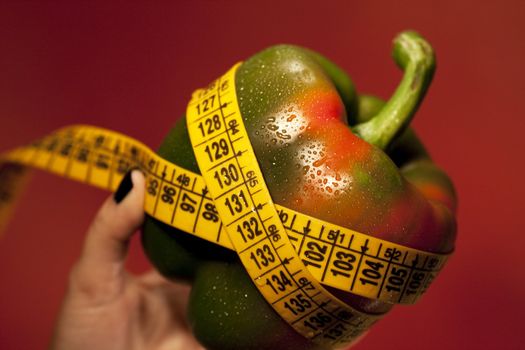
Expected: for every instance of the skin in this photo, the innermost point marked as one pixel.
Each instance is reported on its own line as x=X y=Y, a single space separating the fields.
x=106 y=307
x=297 y=106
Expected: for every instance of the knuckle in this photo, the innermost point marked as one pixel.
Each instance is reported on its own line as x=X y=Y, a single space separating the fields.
x=86 y=286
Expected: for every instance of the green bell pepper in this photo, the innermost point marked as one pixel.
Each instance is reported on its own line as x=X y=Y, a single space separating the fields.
x=326 y=152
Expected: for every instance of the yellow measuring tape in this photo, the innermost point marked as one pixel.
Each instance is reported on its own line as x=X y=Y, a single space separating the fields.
x=287 y=254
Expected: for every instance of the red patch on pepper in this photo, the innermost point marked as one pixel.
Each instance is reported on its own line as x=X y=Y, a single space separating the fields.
x=323 y=105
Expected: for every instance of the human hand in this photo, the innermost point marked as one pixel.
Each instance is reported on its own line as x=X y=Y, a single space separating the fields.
x=106 y=307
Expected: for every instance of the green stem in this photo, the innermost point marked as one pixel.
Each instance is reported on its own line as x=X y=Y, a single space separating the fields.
x=415 y=56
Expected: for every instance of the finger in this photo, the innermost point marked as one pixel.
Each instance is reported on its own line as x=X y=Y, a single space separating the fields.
x=100 y=269
x=115 y=223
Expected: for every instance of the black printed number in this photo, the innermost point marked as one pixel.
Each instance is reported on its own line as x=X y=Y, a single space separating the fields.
x=210 y=125
x=318 y=321
x=227 y=175
x=249 y=229
x=188 y=203
x=278 y=282
x=206 y=104
x=210 y=213
x=298 y=305
x=343 y=264
x=371 y=273
x=396 y=280
x=415 y=282
x=262 y=256
x=153 y=185
x=168 y=193
x=315 y=254
x=217 y=149
x=236 y=202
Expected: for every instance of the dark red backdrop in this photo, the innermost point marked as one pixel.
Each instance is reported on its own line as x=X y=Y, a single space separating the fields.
x=132 y=68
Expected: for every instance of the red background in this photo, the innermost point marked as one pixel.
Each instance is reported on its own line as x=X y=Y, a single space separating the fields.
x=132 y=68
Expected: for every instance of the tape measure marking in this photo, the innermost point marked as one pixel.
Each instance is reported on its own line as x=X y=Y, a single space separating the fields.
x=336 y=256
x=100 y=157
x=248 y=211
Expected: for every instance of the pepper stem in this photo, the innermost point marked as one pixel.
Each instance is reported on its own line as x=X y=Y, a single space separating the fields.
x=415 y=56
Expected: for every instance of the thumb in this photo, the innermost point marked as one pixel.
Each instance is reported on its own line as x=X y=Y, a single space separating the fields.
x=100 y=270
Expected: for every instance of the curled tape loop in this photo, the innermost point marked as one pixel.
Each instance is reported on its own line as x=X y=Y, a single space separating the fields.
x=288 y=254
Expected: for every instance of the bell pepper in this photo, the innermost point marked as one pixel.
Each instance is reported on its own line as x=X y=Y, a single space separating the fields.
x=324 y=151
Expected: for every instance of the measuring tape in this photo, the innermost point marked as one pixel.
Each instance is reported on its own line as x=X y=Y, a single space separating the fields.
x=287 y=254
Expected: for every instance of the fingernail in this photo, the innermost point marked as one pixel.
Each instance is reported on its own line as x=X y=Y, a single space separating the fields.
x=123 y=189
